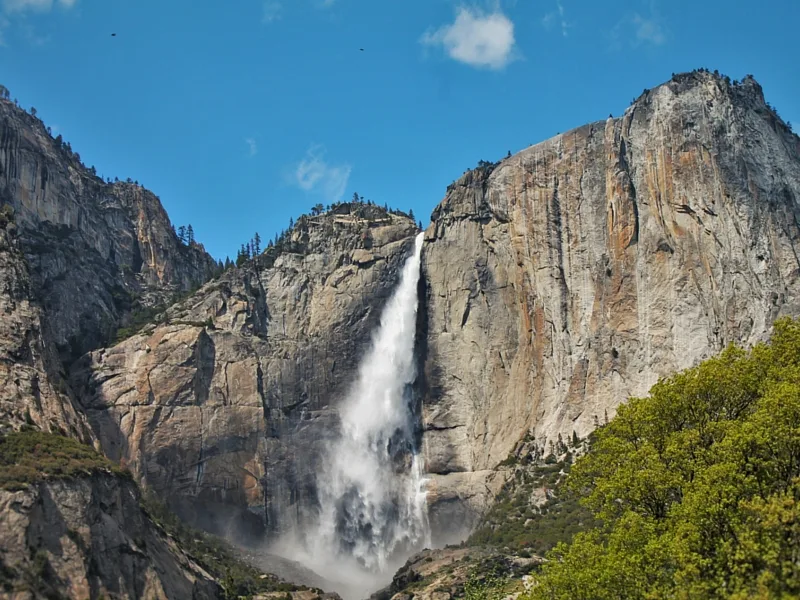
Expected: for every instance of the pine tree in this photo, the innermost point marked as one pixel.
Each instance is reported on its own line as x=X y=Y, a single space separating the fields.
x=33 y=111
x=190 y=234
x=291 y=222
x=411 y=214
x=355 y=197
x=182 y=234
x=257 y=243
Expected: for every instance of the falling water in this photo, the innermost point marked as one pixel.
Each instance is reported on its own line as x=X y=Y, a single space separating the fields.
x=371 y=491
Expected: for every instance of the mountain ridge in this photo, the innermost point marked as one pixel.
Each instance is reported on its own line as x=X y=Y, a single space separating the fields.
x=555 y=284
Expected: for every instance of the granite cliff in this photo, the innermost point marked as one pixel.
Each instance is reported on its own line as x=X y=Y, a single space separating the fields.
x=78 y=257
x=96 y=251
x=555 y=284
x=224 y=406
x=90 y=538
x=571 y=276
x=33 y=391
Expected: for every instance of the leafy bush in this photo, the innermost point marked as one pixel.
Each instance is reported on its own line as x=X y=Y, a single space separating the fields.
x=29 y=456
x=697 y=487
x=514 y=523
x=138 y=319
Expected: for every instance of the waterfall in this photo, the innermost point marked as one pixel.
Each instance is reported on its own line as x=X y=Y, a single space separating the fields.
x=371 y=489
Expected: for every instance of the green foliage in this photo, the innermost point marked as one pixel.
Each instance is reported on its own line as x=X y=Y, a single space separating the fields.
x=138 y=319
x=488 y=585
x=29 y=456
x=514 y=522
x=237 y=578
x=697 y=487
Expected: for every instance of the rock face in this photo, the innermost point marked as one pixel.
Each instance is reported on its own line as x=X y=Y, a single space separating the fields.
x=89 y=538
x=572 y=275
x=96 y=251
x=225 y=406
x=32 y=390
x=556 y=284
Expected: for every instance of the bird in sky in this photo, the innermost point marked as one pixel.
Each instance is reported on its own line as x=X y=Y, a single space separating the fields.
x=113 y=35
x=361 y=49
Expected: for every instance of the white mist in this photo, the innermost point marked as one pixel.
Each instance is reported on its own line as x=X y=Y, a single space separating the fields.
x=372 y=500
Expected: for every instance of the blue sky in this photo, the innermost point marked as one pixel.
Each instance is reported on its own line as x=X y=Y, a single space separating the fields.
x=242 y=114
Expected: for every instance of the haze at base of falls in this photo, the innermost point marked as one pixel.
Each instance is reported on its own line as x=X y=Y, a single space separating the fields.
x=373 y=512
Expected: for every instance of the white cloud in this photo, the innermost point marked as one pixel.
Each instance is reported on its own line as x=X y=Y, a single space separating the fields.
x=477 y=39
x=252 y=146
x=314 y=174
x=271 y=11
x=557 y=16
x=16 y=6
x=648 y=31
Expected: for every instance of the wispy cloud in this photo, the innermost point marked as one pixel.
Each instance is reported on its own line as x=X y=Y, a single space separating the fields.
x=476 y=39
x=34 y=38
x=252 y=146
x=15 y=10
x=649 y=30
x=315 y=175
x=17 y=6
x=637 y=29
x=272 y=10
x=557 y=17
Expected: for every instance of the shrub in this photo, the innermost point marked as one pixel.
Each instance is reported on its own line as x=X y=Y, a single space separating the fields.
x=29 y=456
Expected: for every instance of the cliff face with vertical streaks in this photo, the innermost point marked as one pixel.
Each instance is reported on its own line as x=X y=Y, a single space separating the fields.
x=577 y=272
x=96 y=251
x=225 y=405
x=555 y=285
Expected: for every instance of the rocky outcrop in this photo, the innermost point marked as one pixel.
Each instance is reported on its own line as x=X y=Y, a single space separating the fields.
x=224 y=407
x=32 y=389
x=96 y=251
x=574 y=274
x=89 y=538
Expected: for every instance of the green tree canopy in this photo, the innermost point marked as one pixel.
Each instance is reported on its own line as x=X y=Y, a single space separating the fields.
x=697 y=487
